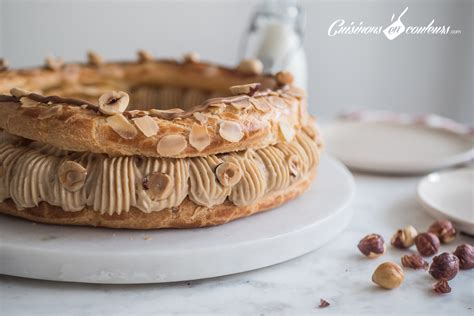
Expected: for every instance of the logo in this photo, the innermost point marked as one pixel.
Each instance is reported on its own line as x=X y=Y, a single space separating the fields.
x=392 y=31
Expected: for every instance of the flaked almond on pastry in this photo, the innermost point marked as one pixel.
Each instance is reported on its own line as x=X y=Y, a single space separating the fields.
x=151 y=143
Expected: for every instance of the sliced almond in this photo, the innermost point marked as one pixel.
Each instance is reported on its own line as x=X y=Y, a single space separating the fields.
x=241 y=104
x=94 y=58
x=295 y=92
x=158 y=185
x=248 y=89
x=228 y=174
x=277 y=102
x=54 y=63
x=261 y=104
x=72 y=175
x=122 y=126
x=146 y=125
x=200 y=117
x=168 y=111
x=52 y=111
x=191 y=57
x=199 y=137
x=171 y=145
x=294 y=165
x=28 y=103
x=231 y=131
x=144 y=56
x=17 y=92
x=136 y=113
x=284 y=78
x=250 y=67
x=113 y=102
x=287 y=130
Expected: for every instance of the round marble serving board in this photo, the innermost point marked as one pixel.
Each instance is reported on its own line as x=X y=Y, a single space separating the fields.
x=96 y=255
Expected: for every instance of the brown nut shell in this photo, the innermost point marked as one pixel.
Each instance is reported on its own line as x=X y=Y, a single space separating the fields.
x=441 y=287
x=445 y=266
x=388 y=275
x=404 y=238
x=444 y=229
x=427 y=244
x=372 y=246
x=465 y=254
x=414 y=261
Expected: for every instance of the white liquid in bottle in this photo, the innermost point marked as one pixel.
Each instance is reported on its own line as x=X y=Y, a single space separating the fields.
x=275 y=38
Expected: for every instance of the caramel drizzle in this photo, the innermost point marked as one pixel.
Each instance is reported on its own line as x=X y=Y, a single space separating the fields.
x=54 y=99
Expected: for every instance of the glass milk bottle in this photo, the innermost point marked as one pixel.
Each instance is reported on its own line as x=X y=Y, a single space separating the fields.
x=275 y=37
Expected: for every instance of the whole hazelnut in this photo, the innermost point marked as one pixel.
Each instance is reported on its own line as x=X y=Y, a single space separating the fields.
x=465 y=254
x=284 y=78
x=427 y=244
x=388 y=275
x=404 y=238
x=372 y=246
x=444 y=230
x=445 y=266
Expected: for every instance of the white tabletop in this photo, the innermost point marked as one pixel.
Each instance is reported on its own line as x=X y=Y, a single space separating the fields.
x=336 y=272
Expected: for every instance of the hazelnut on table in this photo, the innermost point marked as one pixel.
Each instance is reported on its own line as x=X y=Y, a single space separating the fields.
x=388 y=275
x=444 y=229
x=465 y=254
x=372 y=246
x=427 y=244
x=404 y=238
x=445 y=266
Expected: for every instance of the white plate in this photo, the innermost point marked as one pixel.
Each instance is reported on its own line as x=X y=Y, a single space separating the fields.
x=95 y=255
x=394 y=147
x=450 y=195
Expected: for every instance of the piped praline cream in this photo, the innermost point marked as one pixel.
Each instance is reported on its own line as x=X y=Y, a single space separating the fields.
x=29 y=175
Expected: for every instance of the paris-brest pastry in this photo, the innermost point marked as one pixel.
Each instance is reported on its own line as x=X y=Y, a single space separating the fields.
x=151 y=143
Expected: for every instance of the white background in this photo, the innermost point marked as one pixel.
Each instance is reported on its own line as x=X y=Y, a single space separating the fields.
x=415 y=74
